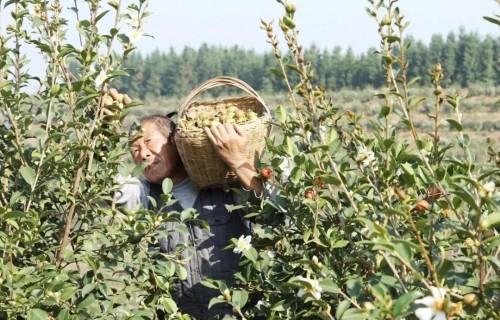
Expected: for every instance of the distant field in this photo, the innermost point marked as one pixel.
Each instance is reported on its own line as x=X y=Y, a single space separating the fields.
x=481 y=112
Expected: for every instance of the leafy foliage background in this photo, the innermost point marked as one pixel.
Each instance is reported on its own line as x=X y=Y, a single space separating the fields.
x=364 y=223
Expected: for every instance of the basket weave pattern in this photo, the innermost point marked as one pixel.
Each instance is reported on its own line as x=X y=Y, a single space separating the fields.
x=203 y=165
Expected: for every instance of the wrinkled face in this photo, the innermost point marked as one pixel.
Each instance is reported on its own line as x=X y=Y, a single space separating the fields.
x=161 y=155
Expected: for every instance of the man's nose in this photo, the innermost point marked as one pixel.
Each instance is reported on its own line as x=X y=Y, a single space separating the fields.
x=145 y=154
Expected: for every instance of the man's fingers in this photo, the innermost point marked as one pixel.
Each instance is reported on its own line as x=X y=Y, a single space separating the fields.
x=113 y=93
x=126 y=99
x=239 y=131
x=211 y=136
x=229 y=128
x=107 y=100
x=121 y=98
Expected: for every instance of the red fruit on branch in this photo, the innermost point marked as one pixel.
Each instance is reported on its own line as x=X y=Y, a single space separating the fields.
x=319 y=182
x=266 y=173
x=310 y=194
x=422 y=205
x=434 y=193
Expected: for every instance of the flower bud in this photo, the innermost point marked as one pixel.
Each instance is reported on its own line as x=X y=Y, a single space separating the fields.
x=471 y=300
x=290 y=8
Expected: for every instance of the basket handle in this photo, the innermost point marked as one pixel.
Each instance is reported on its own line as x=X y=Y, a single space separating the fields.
x=218 y=82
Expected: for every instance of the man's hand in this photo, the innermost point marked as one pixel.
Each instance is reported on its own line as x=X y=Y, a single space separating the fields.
x=230 y=142
x=119 y=97
x=114 y=96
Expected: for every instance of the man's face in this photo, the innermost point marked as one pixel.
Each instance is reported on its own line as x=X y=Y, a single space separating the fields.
x=154 y=149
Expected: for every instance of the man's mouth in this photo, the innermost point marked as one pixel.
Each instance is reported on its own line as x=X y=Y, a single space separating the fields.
x=151 y=166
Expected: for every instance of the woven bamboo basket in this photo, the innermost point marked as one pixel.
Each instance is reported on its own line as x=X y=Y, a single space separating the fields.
x=203 y=165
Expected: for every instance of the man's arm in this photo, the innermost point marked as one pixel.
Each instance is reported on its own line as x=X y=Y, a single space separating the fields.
x=230 y=142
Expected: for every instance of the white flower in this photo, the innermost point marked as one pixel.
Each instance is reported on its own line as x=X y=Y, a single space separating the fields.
x=262 y=303
x=398 y=172
x=310 y=286
x=365 y=156
x=434 y=306
x=133 y=22
x=271 y=254
x=99 y=80
x=243 y=244
x=135 y=35
x=489 y=186
x=486 y=190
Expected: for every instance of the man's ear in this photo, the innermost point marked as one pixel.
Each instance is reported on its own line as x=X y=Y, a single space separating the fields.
x=171 y=137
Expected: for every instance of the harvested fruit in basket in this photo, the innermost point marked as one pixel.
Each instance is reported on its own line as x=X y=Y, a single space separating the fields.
x=228 y=114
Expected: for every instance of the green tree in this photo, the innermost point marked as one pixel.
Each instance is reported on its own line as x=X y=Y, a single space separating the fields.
x=154 y=66
x=449 y=59
x=468 y=58
x=486 y=57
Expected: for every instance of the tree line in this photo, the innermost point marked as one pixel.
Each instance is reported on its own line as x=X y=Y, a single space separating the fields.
x=466 y=57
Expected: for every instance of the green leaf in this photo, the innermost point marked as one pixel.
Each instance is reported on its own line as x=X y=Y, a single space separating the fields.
x=28 y=174
x=170 y=268
x=67 y=293
x=167 y=185
x=209 y=284
x=353 y=314
x=251 y=254
x=63 y=315
x=403 y=248
x=215 y=301
x=330 y=180
x=182 y=273
x=187 y=214
x=466 y=196
x=329 y=286
x=455 y=124
x=491 y=221
x=170 y=306
x=114 y=4
x=37 y=314
x=340 y=244
x=182 y=229
x=492 y=20
x=88 y=288
x=281 y=113
x=239 y=298
x=354 y=287
x=138 y=169
x=404 y=301
x=280 y=306
x=341 y=308
x=408 y=169
x=85 y=303
x=277 y=73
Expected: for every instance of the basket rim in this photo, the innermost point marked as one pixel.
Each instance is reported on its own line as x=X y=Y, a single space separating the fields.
x=218 y=82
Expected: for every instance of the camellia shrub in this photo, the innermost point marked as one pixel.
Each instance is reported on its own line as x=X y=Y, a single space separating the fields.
x=67 y=251
x=370 y=224
x=365 y=224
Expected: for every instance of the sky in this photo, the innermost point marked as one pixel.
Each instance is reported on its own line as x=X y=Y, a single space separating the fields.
x=326 y=23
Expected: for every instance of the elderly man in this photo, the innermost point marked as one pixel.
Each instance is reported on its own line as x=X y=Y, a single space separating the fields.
x=156 y=148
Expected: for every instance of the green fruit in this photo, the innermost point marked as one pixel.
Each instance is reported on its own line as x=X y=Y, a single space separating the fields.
x=241 y=120
x=239 y=114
